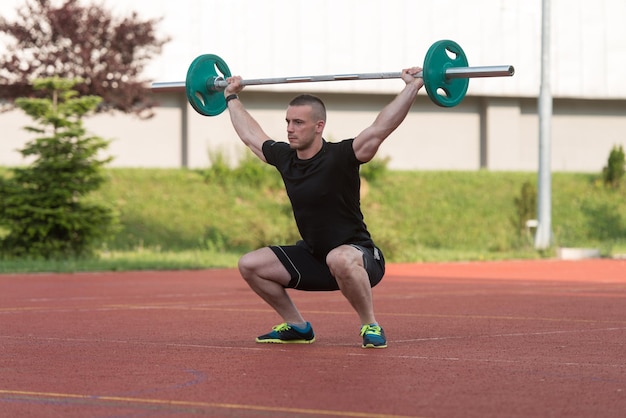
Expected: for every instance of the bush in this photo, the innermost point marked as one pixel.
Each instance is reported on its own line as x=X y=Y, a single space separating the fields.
x=614 y=170
x=526 y=207
x=44 y=208
x=375 y=169
x=249 y=171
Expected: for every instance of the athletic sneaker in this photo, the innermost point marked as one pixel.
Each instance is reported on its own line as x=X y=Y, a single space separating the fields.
x=373 y=336
x=288 y=334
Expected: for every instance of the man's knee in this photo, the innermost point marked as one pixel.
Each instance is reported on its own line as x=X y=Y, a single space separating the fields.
x=343 y=260
x=248 y=264
x=263 y=264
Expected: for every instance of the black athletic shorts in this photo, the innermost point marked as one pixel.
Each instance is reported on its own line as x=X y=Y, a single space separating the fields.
x=309 y=273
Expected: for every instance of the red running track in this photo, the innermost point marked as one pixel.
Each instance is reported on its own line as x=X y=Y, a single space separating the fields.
x=514 y=339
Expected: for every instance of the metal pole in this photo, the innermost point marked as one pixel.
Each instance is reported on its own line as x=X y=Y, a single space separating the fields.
x=543 y=235
x=219 y=83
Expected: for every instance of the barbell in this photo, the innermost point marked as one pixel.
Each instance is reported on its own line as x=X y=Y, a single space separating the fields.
x=445 y=72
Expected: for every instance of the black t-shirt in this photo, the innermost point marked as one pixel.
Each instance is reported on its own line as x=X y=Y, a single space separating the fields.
x=324 y=193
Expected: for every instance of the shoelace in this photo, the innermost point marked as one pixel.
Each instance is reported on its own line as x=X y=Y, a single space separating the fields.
x=281 y=327
x=370 y=329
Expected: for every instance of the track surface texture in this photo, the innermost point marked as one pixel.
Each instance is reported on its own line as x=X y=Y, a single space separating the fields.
x=494 y=339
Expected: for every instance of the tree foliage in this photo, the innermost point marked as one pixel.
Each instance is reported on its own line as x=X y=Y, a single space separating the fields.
x=615 y=167
x=44 y=206
x=76 y=41
x=526 y=206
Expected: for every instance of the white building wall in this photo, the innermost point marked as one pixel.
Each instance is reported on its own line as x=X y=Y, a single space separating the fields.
x=505 y=130
x=506 y=147
x=274 y=38
x=304 y=37
x=496 y=125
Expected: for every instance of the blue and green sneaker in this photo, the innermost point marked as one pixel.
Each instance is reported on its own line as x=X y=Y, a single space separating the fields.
x=373 y=336
x=288 y=334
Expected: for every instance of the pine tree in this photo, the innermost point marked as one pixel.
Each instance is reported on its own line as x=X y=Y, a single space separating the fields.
x=45 y=205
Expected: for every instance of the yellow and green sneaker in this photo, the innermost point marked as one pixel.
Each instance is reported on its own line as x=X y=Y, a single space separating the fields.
x=373 y=336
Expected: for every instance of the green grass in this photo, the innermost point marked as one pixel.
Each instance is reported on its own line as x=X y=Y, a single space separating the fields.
x=139 y=259
x=187 y=219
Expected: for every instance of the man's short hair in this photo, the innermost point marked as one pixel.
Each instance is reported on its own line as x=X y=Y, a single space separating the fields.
x=319 y=110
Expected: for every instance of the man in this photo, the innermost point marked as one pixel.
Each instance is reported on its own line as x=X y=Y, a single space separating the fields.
x=323 y=185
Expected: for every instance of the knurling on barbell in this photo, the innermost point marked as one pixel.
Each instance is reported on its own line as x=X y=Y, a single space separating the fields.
x=445 y=72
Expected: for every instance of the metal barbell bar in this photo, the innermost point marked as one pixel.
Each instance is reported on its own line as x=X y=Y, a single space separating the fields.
x=219 y=84
x=445 y=72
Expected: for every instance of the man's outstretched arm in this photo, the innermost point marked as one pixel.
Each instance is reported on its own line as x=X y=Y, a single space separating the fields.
x=247 y=128
x=367 y=142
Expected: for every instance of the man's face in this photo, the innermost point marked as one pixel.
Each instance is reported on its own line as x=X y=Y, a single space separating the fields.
x=302 y=128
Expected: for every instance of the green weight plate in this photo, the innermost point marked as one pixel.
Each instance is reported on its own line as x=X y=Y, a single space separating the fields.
x=442 y=91
x=199 y=84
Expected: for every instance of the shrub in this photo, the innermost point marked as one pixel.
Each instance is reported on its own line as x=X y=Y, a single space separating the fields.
x=526 y=207
x=44 y=208
x=375 y=169
x=614 y=170
x=253 y=171
x=219 y=171
x=248 y=171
